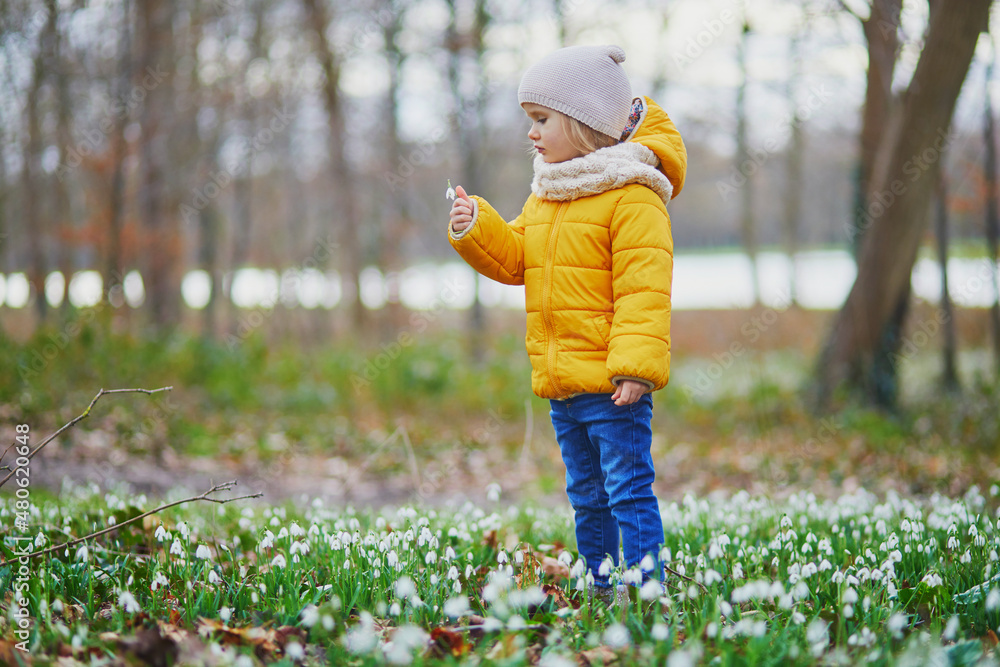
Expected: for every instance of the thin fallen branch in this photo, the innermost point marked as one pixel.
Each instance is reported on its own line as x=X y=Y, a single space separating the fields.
x=225 y=486
x=685 y=577
x=83 y=415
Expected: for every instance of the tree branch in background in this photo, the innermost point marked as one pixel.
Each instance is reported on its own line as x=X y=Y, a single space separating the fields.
x=225 y=486
x=70 y=424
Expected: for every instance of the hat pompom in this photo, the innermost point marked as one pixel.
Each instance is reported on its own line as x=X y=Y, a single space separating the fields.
x=616 y=53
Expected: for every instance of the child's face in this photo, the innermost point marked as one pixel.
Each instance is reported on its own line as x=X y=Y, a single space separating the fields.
x=548 y=133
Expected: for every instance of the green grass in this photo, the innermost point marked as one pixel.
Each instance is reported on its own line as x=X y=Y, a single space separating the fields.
x=796 y=582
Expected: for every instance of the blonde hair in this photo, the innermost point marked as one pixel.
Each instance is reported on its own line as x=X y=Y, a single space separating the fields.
x=583 y=137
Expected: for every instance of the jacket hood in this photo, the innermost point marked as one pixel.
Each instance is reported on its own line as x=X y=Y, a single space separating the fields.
x=654 y=130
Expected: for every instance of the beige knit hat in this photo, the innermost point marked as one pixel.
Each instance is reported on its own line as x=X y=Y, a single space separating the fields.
x=584 y=82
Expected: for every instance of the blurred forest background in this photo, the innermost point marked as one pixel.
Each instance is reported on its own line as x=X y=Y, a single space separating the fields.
x=246 y=198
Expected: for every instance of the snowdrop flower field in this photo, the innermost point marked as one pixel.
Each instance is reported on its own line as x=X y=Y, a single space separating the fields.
x=858 y=579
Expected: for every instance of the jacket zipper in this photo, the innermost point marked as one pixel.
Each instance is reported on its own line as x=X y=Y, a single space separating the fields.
x=550 y=335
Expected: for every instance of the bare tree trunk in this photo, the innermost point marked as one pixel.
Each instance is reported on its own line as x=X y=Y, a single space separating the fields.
x=162 y=247
x=880 y=30
x=340 y=168
x=62 y=212
x=949 y=377
x=992 y=221
x=903 y=188
x=748 y=224
x=794 y=181
x=114 y=264
x=34 y=223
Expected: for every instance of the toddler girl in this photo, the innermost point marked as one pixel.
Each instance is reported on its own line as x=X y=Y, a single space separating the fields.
x=593 y=249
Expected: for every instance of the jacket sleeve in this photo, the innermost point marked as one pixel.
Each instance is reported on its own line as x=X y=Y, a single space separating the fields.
x=492 y=246
x=642 y=263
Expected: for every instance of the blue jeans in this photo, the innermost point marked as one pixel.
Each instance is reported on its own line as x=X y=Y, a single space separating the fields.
x=609 y=476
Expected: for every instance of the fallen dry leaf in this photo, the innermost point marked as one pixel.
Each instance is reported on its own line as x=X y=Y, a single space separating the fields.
x=601 y=655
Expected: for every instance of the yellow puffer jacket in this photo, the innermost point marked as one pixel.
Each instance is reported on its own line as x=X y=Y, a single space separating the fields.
x=593 y=249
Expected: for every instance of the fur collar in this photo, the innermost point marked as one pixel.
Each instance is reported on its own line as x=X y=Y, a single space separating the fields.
x=604 y=169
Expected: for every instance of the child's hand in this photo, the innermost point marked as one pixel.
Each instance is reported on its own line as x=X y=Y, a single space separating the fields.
x=461 y=211
x=628 y=392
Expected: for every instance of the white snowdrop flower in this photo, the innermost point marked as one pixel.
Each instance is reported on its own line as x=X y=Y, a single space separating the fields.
x=282 y=533
x=203 y=552
x=798 y=618
x=299 y=548
x=296 y=530
x=225 y=613
x=659 y=632
x=712 y=577
x=632 y=576
x=578 y=569
x=566 y=558
x=895 y=556
x=457 y=587
x=493 y=492
x=665 y=554
x=431 y=557
x=817 y=634
x=348 y=564
x=502 y=557
x=468 y=570
x=449 y=554
x=394 y=609
x=680 y=659
x=416 y=602
x=405 y=587
x=785 y=601
x=310 y=615
x=294 y=650
x=837 y=577
x=161 y=534
x=824 y=566
x=392 y=559
x=605 y=568
x=737 y=572
x=279 y=561
x=711 y=630
x=214 y=578
x=994 y=556
x=966 y=557
x=434 y=580
x=176 y=549
x=725 y=608
x=128 y=603
x=951 y=629
x=452 y=573
x=647 y=564
x=786 y=522
x=519 y=557
x=993 y=599
x=852 y=580
x=952 y=543
x=848 y=611
x=724 y=540
x=456 y=606
x=866 y=604
x=896 y=624
x=254 y=597
x=159 y=581
x=651 y=590
x=617 y=636
x=932 y=579
x=268 y=540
